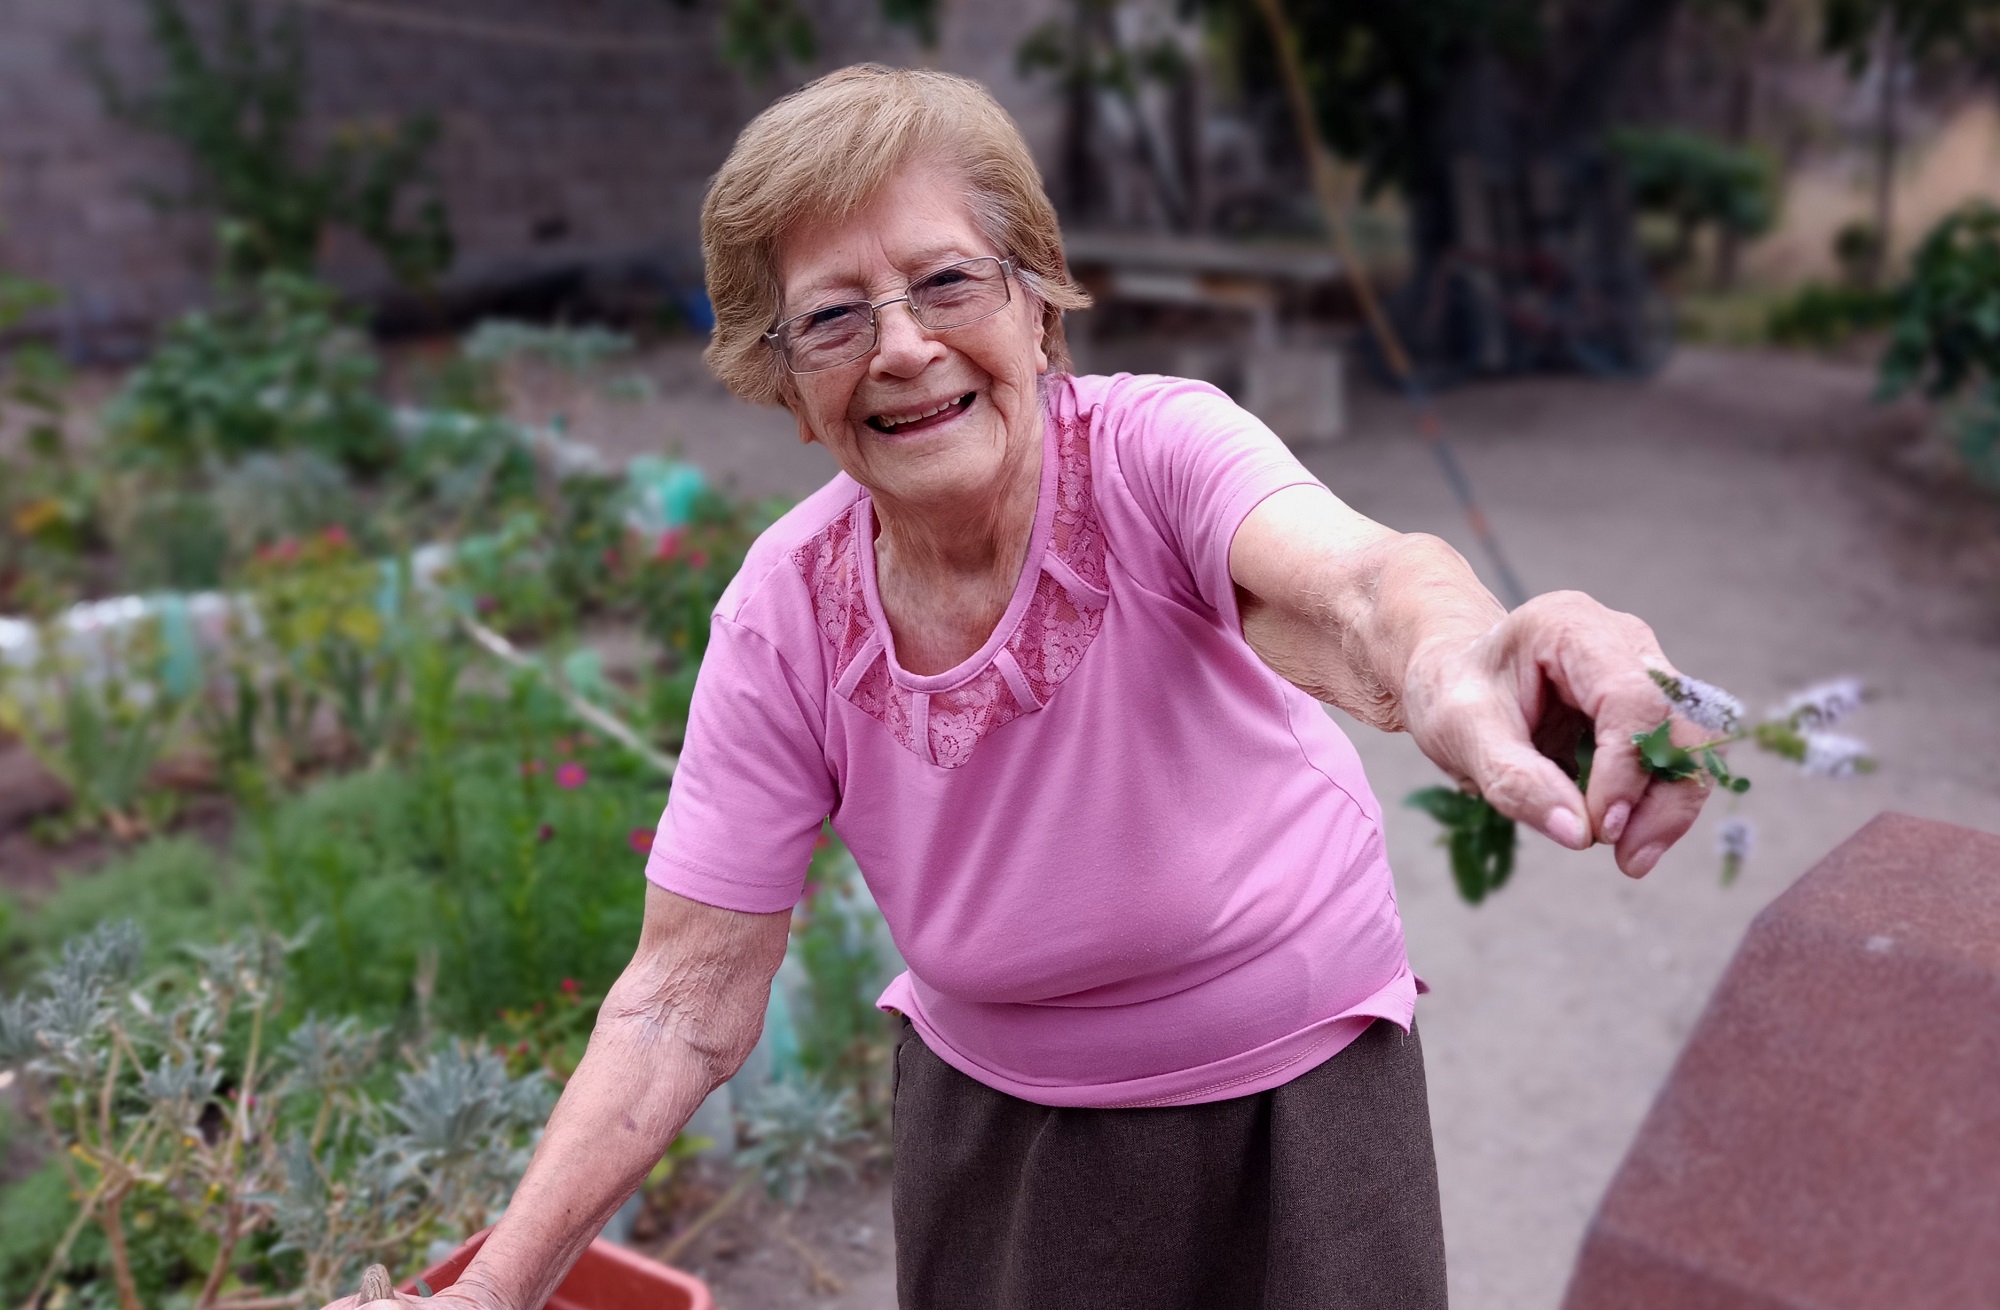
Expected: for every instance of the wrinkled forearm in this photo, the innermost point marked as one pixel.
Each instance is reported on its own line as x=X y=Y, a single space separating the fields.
x=1347 y=622
x=672 y=1029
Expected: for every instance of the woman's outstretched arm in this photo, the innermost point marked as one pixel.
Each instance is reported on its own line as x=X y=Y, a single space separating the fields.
x=678 y=1022
x=1395 y=629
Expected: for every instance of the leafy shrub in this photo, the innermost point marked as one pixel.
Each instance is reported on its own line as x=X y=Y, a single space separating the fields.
x=274 y=367
x=179 y=890
x=1698 y=182
x=1821 y=316
x=1946 y=336
x=196 y=1103
x=98 y=726
x=48 y=502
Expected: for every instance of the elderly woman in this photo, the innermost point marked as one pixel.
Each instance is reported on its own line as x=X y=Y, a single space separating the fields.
x=1049 y=653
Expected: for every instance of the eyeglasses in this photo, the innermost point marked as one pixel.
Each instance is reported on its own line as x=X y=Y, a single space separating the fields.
x=952 y=297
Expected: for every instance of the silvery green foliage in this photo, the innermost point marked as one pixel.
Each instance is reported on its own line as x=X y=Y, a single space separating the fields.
x=797 y=1131
x=327 y=1059
x=17 y=1032
x=1700 y=702
x=303 y=1147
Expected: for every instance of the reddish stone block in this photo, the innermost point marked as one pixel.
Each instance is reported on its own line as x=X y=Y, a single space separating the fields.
x=1830 y=1137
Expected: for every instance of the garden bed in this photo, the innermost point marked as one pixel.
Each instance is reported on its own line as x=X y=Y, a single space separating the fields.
x=414 y=741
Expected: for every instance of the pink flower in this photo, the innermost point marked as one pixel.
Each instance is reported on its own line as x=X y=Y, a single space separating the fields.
x=336 y=536
x=698 y=560
x=669 y=545
x=529 y=768
x=570 y=776
x=546 y=833
x=569 y=987
x=640 y=840
x=822 y=842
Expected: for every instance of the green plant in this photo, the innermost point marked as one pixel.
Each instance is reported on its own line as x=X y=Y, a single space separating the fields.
x=1823 y=316
x=275 y=367
x=183 y=1098
x=98 y=727
x=177 y=889
x=1480 y=840
x=843 y=1040
x=234 y=96
x=1697 y=182
x=1945 y=339
x=339 y=625
x=48 y=502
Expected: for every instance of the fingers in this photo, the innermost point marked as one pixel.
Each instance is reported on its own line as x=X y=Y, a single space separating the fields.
x=1526 y=786
x=1662 y=818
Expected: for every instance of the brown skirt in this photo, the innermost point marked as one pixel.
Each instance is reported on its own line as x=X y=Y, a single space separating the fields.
x=1319 y=1193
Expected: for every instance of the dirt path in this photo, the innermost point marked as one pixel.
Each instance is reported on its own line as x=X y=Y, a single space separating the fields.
x=1743 y=505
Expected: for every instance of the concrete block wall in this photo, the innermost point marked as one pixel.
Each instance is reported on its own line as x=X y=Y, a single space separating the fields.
x=552 y=154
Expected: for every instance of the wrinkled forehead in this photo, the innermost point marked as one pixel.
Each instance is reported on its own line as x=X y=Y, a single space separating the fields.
x=921 y=218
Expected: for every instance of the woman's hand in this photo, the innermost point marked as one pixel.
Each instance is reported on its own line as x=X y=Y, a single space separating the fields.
x=1395 y=629
x=446 y=1298
x=1497 y=711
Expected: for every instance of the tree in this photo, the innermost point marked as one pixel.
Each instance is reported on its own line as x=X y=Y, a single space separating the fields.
x=1890 y=37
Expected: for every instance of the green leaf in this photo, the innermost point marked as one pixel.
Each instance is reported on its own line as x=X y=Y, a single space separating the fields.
x=1480 y=840
x=1662 y=758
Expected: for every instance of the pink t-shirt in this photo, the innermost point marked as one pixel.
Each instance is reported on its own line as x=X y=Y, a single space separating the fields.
x=1126 y=863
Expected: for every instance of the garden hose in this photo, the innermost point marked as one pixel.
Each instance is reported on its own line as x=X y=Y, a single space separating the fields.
x=1326 y=189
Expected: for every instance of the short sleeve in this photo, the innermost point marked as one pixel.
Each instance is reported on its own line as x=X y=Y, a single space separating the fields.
x=753 y=785
x=1196 y=463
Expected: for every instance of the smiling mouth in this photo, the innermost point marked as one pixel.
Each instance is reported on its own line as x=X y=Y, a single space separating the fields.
x=922 y=419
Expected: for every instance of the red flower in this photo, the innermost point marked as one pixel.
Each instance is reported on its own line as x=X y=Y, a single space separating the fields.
x=822 y=842
x=640 y=840
x=546 y=833
x=569 y=987
x=570 y=776
x=698 y=560
x=336 y=536
x=529 y=768
x=669 y=544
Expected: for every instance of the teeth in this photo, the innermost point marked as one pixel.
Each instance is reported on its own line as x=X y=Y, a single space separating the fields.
x=899 y=420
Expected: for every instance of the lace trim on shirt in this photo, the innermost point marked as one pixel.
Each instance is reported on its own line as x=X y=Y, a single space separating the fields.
x=1062 y=619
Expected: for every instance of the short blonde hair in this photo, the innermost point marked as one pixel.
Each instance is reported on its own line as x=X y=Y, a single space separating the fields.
x=824 y=151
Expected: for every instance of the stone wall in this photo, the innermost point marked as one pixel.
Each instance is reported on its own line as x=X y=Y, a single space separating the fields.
x=574 y=133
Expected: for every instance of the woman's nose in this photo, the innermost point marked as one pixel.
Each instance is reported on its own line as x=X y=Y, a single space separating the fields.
x=902 y=347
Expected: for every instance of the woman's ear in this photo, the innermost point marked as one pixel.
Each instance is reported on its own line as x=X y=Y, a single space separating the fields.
x=1041 y=337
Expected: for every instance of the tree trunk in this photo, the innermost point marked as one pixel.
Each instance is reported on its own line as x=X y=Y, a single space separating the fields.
x=1885 y=151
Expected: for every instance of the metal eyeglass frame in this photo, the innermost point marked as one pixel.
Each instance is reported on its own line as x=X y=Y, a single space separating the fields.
x=1008 y=270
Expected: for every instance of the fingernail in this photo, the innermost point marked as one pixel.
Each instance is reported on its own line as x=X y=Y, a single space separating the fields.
x=1568 y=829
x=1614 y=820
x=1643 y=862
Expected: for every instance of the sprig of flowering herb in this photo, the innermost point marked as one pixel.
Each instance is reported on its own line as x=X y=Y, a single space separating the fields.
x=1701 y=703
x=1483 y=842
x=1734 y=838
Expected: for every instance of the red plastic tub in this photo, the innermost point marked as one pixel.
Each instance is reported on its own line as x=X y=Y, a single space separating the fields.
x=608 y=1277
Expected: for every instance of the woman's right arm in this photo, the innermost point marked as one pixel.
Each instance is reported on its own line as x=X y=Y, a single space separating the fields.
x=678 y=1022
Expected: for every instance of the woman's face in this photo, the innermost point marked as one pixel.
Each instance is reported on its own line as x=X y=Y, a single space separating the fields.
x=981 y=376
